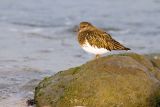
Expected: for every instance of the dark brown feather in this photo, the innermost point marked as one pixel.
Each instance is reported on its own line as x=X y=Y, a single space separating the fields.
x=100 y=39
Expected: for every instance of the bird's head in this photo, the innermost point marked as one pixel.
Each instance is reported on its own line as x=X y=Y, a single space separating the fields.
x=85 y=26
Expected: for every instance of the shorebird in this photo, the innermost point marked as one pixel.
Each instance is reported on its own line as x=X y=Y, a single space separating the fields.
x=97 y=41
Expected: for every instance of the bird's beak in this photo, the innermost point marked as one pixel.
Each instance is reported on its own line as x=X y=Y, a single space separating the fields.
x=76 y=29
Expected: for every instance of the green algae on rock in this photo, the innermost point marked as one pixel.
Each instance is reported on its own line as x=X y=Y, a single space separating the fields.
x=123 y=80
x=155 y=58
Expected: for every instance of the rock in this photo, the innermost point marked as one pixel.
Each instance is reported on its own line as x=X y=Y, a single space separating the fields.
x=123 y=80
x=155 y=58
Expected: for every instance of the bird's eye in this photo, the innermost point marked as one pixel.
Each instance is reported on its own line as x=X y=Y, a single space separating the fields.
x=83 y=26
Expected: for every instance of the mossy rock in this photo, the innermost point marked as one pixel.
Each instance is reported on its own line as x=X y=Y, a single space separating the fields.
x=155 y=59
x=123 y=80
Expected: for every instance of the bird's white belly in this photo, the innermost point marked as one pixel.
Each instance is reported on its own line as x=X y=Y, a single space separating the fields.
x=93 y=49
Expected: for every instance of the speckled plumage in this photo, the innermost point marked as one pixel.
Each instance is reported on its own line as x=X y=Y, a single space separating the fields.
x=96 y=38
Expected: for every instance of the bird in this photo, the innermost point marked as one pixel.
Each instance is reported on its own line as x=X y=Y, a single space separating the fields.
x=96 y=41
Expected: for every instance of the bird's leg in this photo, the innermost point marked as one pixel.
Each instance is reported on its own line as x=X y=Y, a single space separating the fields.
x=97 y=56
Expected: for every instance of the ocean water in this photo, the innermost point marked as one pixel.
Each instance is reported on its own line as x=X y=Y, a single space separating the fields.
x=38 y=38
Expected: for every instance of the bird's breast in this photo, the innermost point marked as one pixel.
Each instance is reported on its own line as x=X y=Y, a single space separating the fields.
x=93 y=49
x=82 y=37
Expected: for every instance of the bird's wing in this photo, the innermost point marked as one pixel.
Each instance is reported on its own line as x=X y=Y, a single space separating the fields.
x=103 y=40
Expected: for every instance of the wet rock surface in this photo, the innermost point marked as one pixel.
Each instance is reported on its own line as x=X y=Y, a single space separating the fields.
x=122 y=80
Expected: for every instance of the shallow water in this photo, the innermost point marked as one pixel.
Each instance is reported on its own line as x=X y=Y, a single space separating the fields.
x=37 y=37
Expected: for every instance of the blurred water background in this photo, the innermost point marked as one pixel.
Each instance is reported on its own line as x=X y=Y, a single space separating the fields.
x=37 y=37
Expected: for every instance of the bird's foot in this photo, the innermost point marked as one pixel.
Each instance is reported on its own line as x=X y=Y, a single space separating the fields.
x=97 y=56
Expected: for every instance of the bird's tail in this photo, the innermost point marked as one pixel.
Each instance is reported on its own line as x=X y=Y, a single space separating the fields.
x=126 y=49
x=118 y=46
